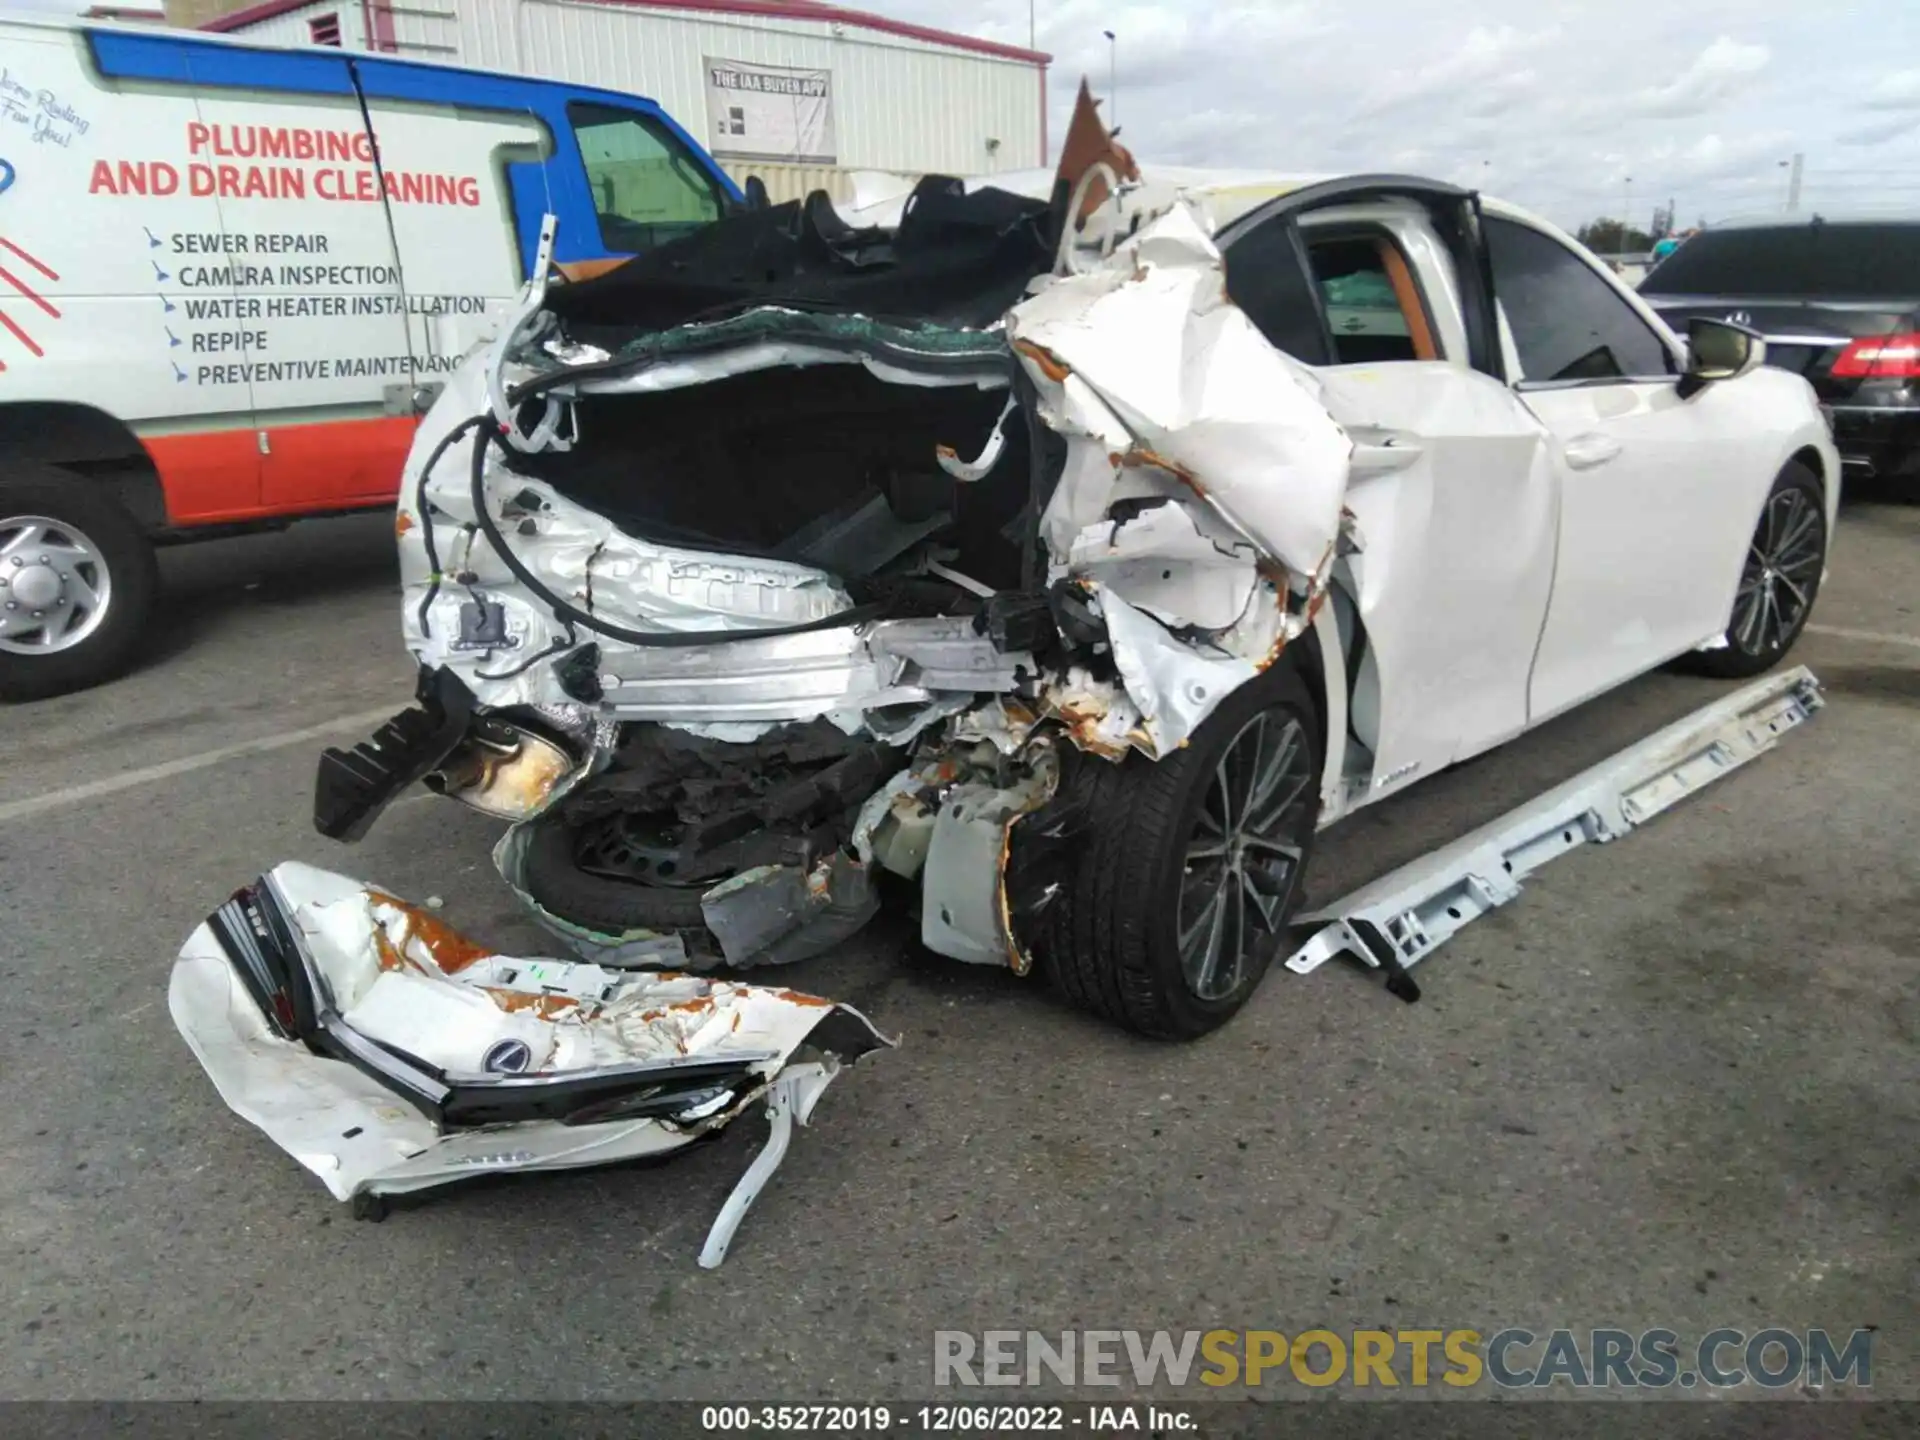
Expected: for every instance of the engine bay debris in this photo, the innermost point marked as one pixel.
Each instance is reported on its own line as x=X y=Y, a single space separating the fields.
x=389 y=1054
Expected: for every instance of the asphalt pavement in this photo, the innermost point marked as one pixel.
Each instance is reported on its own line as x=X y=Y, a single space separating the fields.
x=1676 y=1084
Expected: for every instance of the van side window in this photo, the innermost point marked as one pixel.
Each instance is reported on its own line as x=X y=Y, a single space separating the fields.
x=647 y=187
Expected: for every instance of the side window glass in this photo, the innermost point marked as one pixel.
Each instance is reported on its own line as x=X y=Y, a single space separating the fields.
x=1374 y=309
x=1567 y=323
x=647 y=187
x=1266 y=279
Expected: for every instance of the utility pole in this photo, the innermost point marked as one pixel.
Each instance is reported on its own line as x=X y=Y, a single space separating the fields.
x=1113 y=81
x=1626 y=209
x=1793 y=181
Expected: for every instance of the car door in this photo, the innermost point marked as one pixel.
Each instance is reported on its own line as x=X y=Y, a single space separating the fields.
x=1454 y=508
x=1656 y=494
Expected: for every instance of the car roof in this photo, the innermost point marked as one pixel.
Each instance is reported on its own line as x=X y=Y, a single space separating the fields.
x=1222 y=195
x=1815 y=217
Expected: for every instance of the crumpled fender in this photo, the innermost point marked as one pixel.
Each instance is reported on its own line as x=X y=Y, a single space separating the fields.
x=1193 y=388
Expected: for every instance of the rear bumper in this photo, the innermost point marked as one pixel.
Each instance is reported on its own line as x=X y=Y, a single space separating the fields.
x=1877 y=440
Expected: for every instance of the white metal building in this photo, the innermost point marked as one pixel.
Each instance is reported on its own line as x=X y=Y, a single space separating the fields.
x=798 y=92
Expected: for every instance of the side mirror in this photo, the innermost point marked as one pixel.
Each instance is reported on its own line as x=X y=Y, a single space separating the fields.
x=1719 y=350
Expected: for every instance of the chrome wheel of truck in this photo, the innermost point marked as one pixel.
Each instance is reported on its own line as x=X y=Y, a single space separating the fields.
x=56 y=583
x=77 y=584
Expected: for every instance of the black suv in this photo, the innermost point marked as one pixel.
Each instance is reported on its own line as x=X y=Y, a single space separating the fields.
x=1839 y=302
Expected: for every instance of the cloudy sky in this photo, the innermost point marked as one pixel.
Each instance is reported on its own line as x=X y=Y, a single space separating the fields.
x=1575 y=107
x=1564 y=105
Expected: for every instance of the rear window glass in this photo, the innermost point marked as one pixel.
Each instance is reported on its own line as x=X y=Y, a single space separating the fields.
x=1865 y=262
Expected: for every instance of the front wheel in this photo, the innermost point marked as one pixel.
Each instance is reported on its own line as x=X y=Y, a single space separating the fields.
x=77 y=583
x=1189 y=867
x=1778 y=583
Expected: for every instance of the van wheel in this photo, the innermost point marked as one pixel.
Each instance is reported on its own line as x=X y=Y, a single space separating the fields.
x=1778 y=583
x=77 y=583
x=1190 y=868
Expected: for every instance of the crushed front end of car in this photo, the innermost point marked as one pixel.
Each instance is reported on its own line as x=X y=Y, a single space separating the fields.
x=796 y=552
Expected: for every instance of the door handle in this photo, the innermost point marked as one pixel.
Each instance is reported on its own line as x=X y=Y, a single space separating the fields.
x=1381 y=452
x=1584 y=452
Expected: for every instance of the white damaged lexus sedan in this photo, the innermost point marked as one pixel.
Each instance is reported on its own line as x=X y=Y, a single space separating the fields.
x=1071 y=551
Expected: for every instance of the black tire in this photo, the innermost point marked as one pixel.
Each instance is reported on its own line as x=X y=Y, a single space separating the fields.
x=1751 y=650
x=554 y=878
x=125 y=554
x=1109 y=937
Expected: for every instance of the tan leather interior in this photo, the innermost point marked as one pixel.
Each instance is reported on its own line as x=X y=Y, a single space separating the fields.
x=587 y=269
x=1408 y=294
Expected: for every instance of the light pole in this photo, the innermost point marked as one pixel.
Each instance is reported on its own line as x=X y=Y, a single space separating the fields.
x=1626 y=209
x=1113 y=81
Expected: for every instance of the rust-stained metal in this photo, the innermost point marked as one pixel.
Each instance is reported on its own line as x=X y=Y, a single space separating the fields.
x=1018 y=960
x=390 y=959
x=512 y=779
x=521 y=1002
x=1141 y=456
x=798 y=998
x=451 y=951
x=1050 y=365
x=1082 y=719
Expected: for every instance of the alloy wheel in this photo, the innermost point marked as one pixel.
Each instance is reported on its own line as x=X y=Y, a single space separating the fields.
x=1243 y=859
x=1777 y=583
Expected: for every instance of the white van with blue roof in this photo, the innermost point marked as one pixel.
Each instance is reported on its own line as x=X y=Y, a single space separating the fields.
x=232 y=278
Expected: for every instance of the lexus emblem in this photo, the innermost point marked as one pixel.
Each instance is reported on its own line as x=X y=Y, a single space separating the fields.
x=508 y=1057
x=1740 y=317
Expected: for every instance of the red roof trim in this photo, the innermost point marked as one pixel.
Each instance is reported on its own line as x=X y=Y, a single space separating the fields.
x=766 y=9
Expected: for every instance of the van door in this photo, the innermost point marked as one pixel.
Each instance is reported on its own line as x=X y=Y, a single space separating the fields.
x=445 y=157
x=473 y=162
x=126 y=212
x=322 y=327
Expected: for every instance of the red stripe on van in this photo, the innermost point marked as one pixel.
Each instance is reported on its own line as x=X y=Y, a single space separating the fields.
x=216 y=476
x=211 y=475
x=28 y=291
x=19 y=334
x=9 y=245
